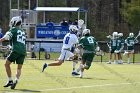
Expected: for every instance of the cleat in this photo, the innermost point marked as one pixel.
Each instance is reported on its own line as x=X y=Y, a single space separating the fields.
x=128 y=63
x=14 y=84
x=81 y=76
x=44 y=66
x=115 y=62
x=75 y=74
x=9 y=83
x=108 y=62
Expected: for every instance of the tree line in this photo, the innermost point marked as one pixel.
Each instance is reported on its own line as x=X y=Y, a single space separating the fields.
x=104 y=16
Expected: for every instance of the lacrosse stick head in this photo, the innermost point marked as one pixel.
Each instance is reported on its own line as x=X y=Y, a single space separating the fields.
x=139 y=33
x=80 y=22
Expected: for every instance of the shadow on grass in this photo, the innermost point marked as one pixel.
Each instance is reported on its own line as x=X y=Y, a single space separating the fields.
x=19 y=90
x=27 y=90
x=94 y=78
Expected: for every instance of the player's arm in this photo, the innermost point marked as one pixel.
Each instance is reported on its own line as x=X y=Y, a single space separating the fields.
x=126 y=41
x=80 y=47
x=7 y=36
x=122 y=46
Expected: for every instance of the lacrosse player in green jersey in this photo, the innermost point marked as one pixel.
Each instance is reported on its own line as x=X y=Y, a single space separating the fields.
x=112 y=44
x=119 y=48
x=88 y=44
x=130 y=42
x=16 y=36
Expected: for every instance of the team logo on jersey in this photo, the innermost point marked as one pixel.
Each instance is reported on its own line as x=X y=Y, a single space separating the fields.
x=57 y=32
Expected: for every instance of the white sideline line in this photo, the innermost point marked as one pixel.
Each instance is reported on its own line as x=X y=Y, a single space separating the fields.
x=89 y=86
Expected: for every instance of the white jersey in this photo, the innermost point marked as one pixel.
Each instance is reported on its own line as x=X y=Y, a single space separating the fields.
x=69 y=40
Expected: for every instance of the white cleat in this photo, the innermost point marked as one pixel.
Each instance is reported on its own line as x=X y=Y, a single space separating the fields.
x=109 y=62
x=81 y=76
x=128 y=63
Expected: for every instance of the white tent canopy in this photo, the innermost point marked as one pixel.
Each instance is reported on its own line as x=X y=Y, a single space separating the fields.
x=59 y=9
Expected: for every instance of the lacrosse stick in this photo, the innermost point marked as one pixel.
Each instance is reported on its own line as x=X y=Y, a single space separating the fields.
x=81 y=27
x=137 y=36
x=126 y=52
x=108 y=46
x=100 y=53
x=80 y=23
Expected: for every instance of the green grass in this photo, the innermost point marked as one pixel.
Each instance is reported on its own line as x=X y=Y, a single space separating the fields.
x=100 y=78
x=97 y=58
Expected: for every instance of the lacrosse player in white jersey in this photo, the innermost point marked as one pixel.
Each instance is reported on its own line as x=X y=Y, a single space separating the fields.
x=69 y=40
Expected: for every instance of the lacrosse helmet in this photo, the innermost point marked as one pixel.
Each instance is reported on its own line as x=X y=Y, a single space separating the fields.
x=131 y=34
x=73 y=29
x=13 y=22
x=115 y=34
x=120 y=34
x=86 y=31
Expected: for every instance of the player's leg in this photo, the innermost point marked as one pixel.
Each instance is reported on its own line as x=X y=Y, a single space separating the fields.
x=86 y=62
x=110 y=58
x=120 y=58
x=75 y=61
x=18 y=74
x=19 y=61
x=128 y=58
x=11 y=58
x=57 y=63
x=115 y=58
x=9 y=75
x=82 y=68
x=65 y=54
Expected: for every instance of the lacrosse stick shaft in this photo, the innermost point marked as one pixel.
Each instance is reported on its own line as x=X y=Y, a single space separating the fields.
x=137 y=36
x=108 y=45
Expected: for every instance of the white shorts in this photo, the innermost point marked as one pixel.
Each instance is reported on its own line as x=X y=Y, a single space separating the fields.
x=65 y=54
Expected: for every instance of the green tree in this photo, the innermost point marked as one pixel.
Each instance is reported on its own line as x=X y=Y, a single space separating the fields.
x=131 y=13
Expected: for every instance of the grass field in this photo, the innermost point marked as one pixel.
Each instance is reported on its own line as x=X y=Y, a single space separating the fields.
x=100 y=78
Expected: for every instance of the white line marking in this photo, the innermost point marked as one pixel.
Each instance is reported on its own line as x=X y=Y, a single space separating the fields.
x=88 y=86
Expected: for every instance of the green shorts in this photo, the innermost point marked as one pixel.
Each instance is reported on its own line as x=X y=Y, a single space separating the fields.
x=19 y=58
x=88 y=58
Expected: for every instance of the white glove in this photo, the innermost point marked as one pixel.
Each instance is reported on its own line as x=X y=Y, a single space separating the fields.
x=97 y=48
x=117 y=51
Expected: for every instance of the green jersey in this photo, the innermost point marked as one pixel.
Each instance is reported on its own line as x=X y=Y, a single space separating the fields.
x=17 y=40
x=120 y=43
x=88 y=43
x=113 y=43
x=130 y=41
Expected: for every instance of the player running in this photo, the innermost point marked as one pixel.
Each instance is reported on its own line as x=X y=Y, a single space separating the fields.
x=88 y=44
x=69 y=41
x=17 y=38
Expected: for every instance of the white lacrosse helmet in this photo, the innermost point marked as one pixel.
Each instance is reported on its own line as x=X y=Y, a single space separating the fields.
x=86 y=31
x=120 y=34
x=115 y=34
x=73 y=28
x=131 y=34
x=14 y=21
